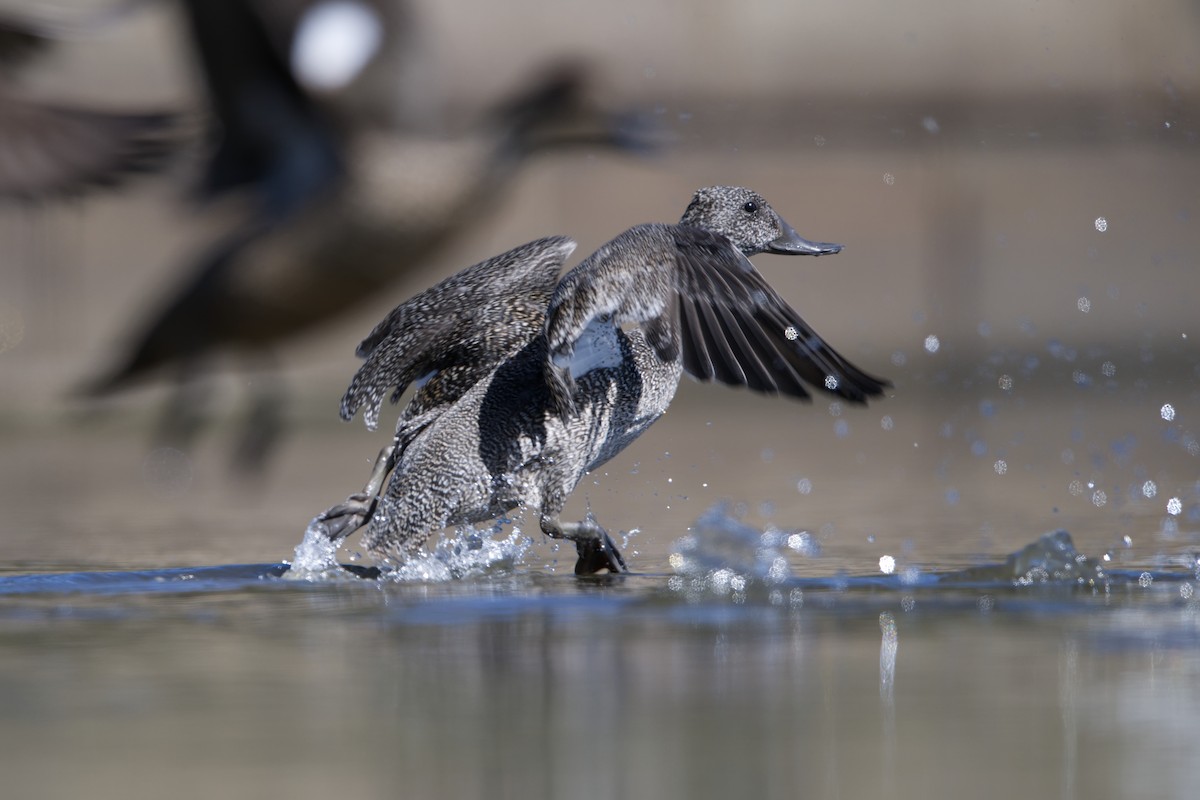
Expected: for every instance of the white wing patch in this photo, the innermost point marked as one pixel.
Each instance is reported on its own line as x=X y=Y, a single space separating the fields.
x=596 y=348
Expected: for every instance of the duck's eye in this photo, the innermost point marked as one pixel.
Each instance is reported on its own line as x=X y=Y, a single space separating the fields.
x=750 y=207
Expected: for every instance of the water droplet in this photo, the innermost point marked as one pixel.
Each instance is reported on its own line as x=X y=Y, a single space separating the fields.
x=1005 y=383
x=819 y=140
x=932 y=343
x=1167 y=412
x=804 y=486
x=1001 y=466
x=1101 y=224
x=887 y=565
x=1149 y=489
x=886 y=423
x=1084 y=304
x=1174 y=506
x=889 y=178
x=1099 y=498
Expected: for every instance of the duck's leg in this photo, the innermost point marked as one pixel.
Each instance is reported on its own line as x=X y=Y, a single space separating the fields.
x=345 y=518
x=595 y=547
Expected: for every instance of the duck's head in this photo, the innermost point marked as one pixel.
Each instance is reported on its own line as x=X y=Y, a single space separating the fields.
x=746 y=219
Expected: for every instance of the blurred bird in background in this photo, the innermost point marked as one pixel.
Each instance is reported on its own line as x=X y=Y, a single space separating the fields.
x=339 y=197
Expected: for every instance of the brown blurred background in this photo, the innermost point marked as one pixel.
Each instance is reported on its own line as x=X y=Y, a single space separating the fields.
x=1018 y=181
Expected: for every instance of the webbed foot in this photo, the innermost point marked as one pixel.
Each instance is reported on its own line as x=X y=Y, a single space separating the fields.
x=596 y=550
x=345 y=518
x=598 y=555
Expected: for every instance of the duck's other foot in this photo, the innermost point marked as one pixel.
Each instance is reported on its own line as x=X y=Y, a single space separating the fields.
x=596 y=550
x=359 y=571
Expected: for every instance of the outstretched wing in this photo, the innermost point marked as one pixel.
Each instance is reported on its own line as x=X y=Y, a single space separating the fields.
x=696 y=297
x=736 y=329
x=457 y=331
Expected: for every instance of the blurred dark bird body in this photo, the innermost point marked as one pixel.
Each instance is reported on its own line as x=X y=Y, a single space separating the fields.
x=398 y=201
x=525 y=382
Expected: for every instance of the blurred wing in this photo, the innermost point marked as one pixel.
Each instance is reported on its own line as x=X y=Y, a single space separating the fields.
x=48 y=151
x=736 y=329
x=457 y=331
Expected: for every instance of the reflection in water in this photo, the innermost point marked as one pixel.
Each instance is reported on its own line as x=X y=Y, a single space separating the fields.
x=1068 y=678
x=518 y=683
x=887 y=700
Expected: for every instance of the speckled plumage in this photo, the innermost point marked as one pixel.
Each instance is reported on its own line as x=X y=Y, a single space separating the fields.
x=551 y=386
x=498 y=306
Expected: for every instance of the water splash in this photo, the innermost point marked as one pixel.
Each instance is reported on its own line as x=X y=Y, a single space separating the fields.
x=1051 y=559
x=724 y=555
x=468 y=553
x=316 y=556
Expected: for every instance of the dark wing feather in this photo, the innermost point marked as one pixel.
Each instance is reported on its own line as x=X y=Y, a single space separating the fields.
x=459 y=330
x=696 y=358
x=738 y=330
